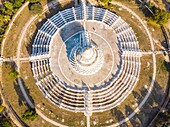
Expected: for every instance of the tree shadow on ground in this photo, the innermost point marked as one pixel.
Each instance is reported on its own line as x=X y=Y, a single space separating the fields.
x=119 y=116
x=20 y=94
x=147 y=111
x=21 y=99
x=51 y=11
x=134 y=120
x=164 y=44
x=143 y=9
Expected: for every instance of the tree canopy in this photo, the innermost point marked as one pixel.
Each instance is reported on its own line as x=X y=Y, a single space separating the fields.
x=160 y=16
x=36 y=8
x=8 y=5
x=13 y=74
x=105 y=1
x=6 y=12
x=5 y=123
x=30 y=114
x=34 y=1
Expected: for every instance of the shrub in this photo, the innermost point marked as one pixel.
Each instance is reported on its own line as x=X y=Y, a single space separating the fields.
x=36 y=8
x=8 y=5
x=13 y=74
x=5 y=123
x=161 y=17
x=29 y=114
x=105 y=1
x=34 y=1
x=1 y=108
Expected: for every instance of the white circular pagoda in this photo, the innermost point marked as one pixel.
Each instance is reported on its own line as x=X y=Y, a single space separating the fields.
x=85 y=59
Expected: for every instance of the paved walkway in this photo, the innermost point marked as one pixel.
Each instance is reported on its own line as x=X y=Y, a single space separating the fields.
x=88 y=121
x=27 y=59
x=24 y=30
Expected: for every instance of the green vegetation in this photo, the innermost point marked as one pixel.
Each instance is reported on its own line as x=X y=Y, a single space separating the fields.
x=105 y=1
x=1 y=108
x=5 y=123
x=13 y=74
x=36 y=8
x=11 y=42
x=34 y=1
x=29 y=114
x=161 y=17
x=6 y=12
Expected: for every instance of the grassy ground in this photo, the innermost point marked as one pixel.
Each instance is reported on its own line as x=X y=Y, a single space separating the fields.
x=162 y=73
x=47 y=107
x=155 y=29
x=12 y=90
x=10 y=47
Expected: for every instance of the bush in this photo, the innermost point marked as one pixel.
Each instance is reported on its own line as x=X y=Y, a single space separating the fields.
x=8 y=5
x=34 y=1
x=161 y=17
x=105 y=1
x=7 y=10
x=1 y=108
x=29 y=114
x=13 y=74
x=17 y=3
x=5 y=123
x=36 y=8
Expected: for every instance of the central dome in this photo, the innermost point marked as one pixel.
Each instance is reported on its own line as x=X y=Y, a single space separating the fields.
x=86 y=58
x=88 y=53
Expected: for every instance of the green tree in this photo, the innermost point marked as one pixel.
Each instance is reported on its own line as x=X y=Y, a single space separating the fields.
x=7 y=18
x=161 y=17
x=8 y=5
x=105 y=1
x=13 y=74
x=18 y=3
x=29 y=114
x=1 y=108
x=34 y=1
x=36 y=8
x=5 y=123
